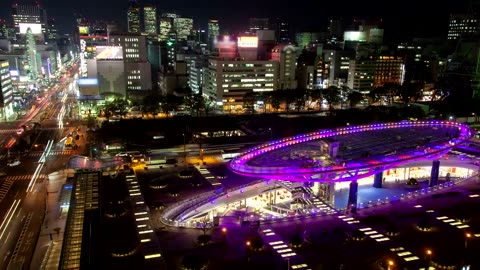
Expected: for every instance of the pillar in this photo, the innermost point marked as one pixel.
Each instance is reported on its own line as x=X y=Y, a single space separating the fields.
x=434 y=173
x=353 y=194
x=378 y=180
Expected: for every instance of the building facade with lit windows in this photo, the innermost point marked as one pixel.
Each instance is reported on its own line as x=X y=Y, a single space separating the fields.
x=137 y=68
x=227 y=81
x=361 y=74
x=6 y=89
x=462 y=24
x=183 y=27
x=213 y=32
x=166 y=25
x=389 y=69
x=133 y=17
x=338 y=62
x=150 y=20
x=286 y=57
x=30 y=16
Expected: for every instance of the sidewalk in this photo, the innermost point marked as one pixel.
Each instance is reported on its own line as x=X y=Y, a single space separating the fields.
x=49 y=244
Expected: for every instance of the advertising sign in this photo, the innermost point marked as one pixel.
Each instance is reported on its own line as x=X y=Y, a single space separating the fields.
x=247 y=42
x=36 y=28
x=109 y=52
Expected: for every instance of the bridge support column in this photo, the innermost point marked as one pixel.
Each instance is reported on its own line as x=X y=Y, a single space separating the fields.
x=434 y=173
x=353 y=196
x=378 y=180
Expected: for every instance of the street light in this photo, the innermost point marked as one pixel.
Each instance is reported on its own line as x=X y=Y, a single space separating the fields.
x=184 y=150
x=467 y=236
x=390 y=265
x=429 y=257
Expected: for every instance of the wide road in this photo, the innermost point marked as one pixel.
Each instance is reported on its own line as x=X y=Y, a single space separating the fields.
x=22 y=193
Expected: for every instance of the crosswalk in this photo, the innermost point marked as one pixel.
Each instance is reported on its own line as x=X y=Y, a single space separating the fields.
x=9 y=180
x=5 y=187
x=52 y=153
x=14 y=130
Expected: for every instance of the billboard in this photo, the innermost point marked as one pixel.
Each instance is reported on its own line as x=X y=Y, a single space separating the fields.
x=247 y=42
x=355 y=36
x=225 y=42
x=88 y=86
x=109 y=52
x=35 y=27
x=83 y=30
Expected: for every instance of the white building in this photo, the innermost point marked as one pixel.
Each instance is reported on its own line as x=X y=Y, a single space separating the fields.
x=183 y=27
x=227 y=81
x=286 y=57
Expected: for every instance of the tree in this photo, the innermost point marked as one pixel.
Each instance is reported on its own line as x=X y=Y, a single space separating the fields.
x=169 y=103
x=249 y=101
x=314 y=96
x=151 y=104
x=274 y=98
x=194 y=102
x=300 y=98
x=205 y=225
x=354 y=98
x=331 y=95
x=410 y=92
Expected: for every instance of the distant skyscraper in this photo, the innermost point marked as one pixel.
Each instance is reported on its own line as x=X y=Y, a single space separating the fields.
x=30 y=15
x=258 y=24
x=171 y=49
x=462 y=24
x=3 y=29
x=133 y=17
x=213 y=32
x=335 y=27
x=282 y=31
x=183 y=27
x=150 y=20
x=166 y=25
x=51 y=30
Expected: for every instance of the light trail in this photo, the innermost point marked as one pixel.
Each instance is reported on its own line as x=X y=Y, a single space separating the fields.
x=9 y=216
x=41 y=163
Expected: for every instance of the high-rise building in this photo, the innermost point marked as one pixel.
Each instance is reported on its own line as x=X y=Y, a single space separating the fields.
x=137 y=68
x=286 y=57
x=183 y=27
x=335 y=27
x=361 y=74
x=282 y=31
x=306 y=38
x=171 y=49
x=6 y=91
x=3 y=29
x=223 y=83
x=150 y=20
x=51 y=30
x=213 y=32
x=461 y=25
x=166 y=25
x=389 y=69
x=30 y=16
x=133 y=17
x=258 y=24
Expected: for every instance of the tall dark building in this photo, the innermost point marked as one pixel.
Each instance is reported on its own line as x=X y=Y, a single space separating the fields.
x=52 y=34
x=133 y=17
x=29 y=15
x=282 y=31
x=335 y=27
x=258 y=24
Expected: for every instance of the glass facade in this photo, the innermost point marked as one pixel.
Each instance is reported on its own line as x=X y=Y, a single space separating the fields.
x=150 y=20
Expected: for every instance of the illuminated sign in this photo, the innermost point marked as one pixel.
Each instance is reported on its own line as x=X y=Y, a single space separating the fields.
x=109 y=52
x=355 y=36
x=14 y=73
x=83 y=62
x=36 y=28
x=4 y=64
x=247 y=42
x=83 y=30
x=225 y=43
x=87 y=81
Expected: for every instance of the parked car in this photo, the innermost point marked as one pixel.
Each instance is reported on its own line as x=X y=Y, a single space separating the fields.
x=14 y=163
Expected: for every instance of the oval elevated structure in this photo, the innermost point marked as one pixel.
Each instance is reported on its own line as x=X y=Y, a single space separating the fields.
x=351 y=152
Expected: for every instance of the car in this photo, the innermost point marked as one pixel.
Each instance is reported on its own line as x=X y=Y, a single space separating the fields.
x=14 y=163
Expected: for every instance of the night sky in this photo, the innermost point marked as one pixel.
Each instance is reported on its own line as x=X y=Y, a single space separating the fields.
x=401 y=18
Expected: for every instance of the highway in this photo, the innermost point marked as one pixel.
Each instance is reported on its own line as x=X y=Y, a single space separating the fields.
x=22 y=193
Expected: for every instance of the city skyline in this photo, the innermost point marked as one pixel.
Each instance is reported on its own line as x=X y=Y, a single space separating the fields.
x=404 y=21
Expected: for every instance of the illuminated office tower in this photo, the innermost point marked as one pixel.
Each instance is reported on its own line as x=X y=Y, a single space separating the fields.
x=461 y=25
x=213 y=31
x=166 y=25
x=183 y=27
x=6 y=91
x=282 y=31
x=150 y=20
x=133 y=17
x=29 y=16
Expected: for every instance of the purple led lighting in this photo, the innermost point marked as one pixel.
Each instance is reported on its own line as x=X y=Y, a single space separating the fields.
x=240 y=163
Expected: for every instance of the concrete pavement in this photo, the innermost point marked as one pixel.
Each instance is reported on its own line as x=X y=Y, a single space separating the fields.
x=48 y=248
